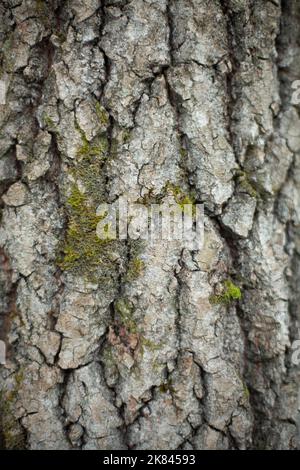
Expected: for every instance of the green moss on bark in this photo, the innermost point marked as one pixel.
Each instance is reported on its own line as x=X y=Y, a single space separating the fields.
x=125 y=310
x=230 y=293
x=12 y=434
x=102 y=114
x=136 y=267
x=83 y=252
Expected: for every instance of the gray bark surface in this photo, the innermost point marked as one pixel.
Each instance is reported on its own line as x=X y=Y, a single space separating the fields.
x=119 y=345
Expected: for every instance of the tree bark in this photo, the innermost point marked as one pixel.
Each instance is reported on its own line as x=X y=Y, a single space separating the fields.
x=125 y=344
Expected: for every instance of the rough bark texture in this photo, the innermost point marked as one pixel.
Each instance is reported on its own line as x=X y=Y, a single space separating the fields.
x=119 y=345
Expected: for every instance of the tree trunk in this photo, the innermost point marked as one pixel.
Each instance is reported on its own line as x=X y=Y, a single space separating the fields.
x=127 y=344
